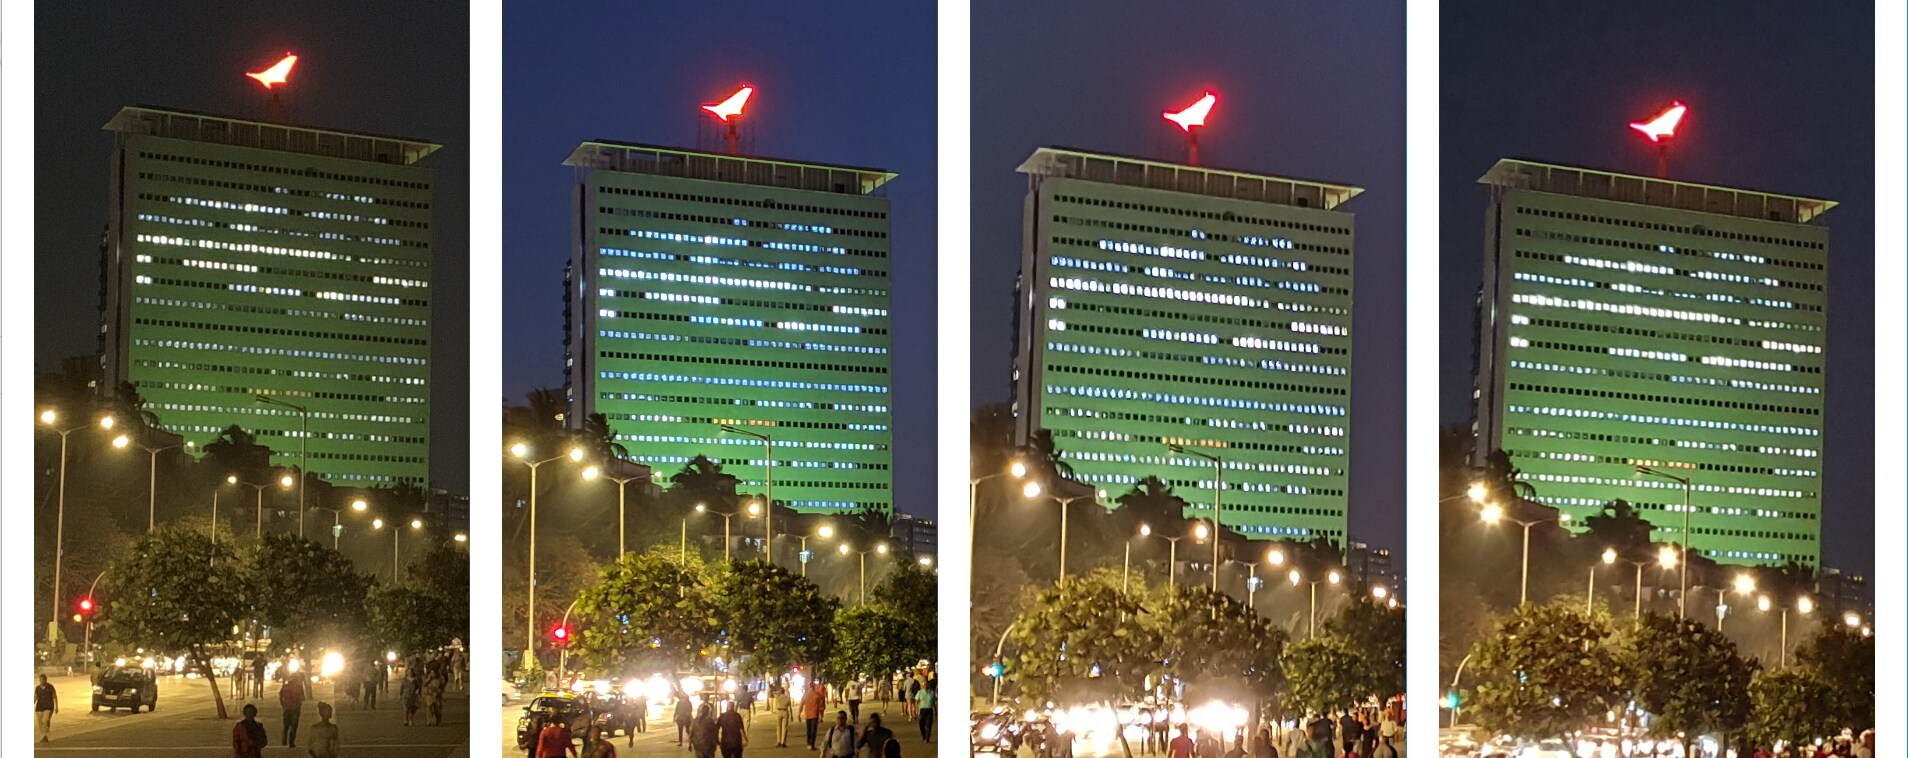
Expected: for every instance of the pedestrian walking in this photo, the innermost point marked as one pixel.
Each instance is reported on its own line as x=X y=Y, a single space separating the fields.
x=291 y=697
x=409 y=693
x=373 y=680
x=877 y=737
x=638 y=717
x=554 y=741
x=321 y=740
x=434 y=696
x=914 y=691
x=854 y=701
x=840 y=740
x=925 y=701
x=1181 y=746
x=1262 y=746
x=892 y=749
x=732 y=734
x=812 y=704
x=784 y=713
x=248 y=736
x=604 y=747
x=702 y=733
x=685 y=714
x=258 y=676
x=46 y=702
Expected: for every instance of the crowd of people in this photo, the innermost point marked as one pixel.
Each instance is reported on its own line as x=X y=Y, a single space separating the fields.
x=1359 y=733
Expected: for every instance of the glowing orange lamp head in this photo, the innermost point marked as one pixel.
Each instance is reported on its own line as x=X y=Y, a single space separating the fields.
x=1664 y=125
x=1193 y=115
x=278 y=74
x=731 y=107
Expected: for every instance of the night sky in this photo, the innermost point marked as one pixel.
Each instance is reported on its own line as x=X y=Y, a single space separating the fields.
x=852 y=84
x=1781 y=100
x=1308 y=90
x=369 y=66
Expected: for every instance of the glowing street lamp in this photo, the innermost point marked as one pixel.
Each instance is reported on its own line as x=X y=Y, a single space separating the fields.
x=752 y=509
x=622 y=500
x=379 y=524
x=1016 y=469
x=1494 y=513
x=1682 y=599
x=821 y=532
x=152 y=474
x=258 y=532
x=337 y=526
x=521 y=453
x=880 y=547
x=768 y=474
x=1804 y=605
x=1218 y=465
x=1332 y=577
x=304 y=419
x=50 y=419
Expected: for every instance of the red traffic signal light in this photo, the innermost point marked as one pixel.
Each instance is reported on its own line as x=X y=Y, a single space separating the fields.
x=561 y=634
x=86 y=605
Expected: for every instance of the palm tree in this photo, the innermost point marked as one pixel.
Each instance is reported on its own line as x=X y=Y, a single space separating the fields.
x=1151 y=502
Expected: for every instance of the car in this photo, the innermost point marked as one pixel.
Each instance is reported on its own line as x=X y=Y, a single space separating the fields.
x=511 y=693
x=570 y=708
x=610 y=712
x=124 y=687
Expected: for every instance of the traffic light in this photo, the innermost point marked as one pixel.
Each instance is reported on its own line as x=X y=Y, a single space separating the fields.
x=86 y=606
x=1452 y=700
x=996 y=669
x=560 y=635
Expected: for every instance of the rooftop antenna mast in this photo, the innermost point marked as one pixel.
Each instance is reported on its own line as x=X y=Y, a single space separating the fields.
x=1661 y=130
x=730 y=111
x=273 y=79
x=1193 y=116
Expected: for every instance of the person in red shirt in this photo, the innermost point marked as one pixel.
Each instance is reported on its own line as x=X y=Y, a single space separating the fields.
x=555 y=741
x=812 y=705
x=1181 y=746
x=291 y=697
x=248 y=736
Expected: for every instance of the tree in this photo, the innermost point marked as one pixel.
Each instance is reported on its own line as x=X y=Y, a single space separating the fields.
x=775 y=618
x=1377 y=632
x=306 y=592
x=1545 y=672
x=411 y=620
x=1316 y=670
x=1843 y=656
x=865 y=641
x=1083 y=640
x=180 y=590
x=237 y=452
x=1216 y=645
x=1794 y=705
x=648 y=608
x=911 y=591
x=1688 y=676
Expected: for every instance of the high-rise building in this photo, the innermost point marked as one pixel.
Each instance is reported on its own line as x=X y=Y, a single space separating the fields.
x=276 y=277
x=921 y=536
x=1629 y=321
x=708 y=289
x=1164 y=304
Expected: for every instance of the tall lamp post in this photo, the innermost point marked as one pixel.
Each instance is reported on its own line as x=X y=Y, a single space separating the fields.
x=304 y=462
x=152 y=474
x=1744 y=585
x=1172 y=553
x=622 y=500
x=1494 y=513
x=1682 y=595
x=1066 y=504
x=337 y=525
x=378 y=523
x=1332 y=577
x=822 y=532
x=258 y=531
x=1218 y=489
x=768 y=487
x=753 y=508
x=1016 y=469
x=520 y=452
x=1804 y=605
x=50 y=419
x=880 y=547
x=1665 y=557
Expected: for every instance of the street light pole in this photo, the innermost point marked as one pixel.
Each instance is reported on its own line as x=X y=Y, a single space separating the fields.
x=304 y=462
x=622 y=501
x=1494 y=513
x=1219 y=488
x=1066 y=504
x=1016 y=469
x=726 y=515
x=768 y=488
x=518 y=451
x=1295 y=578
x=59 y=524
x=881 y=548
x=152 y=475
x=1682 y=597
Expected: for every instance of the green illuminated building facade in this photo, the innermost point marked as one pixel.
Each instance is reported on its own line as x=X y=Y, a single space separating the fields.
x=708 y=289
x=247 y=259
x=1627 y=322
x=1163 y=304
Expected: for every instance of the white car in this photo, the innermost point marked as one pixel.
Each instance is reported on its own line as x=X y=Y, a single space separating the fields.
x=510 y=692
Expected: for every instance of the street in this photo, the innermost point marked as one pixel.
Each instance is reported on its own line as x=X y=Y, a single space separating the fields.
x=183 y=725
x=660 y=740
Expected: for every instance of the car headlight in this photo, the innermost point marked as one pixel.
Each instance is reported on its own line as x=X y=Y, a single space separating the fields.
x=98 y=690
x=132 y=691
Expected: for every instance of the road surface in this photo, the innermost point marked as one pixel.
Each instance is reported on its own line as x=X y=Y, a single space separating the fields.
x=184 y=725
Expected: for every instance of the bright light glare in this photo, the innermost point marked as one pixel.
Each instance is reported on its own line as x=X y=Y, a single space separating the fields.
x=1018 y=470
x=590 y=472
x=1193 y=115
x=1477 y=492
x=691 y=685
x=331 y=665
x=1745 y=584
x=1492 y=513
x=1666 y=556
x=1609 y=555
x=1030 y=490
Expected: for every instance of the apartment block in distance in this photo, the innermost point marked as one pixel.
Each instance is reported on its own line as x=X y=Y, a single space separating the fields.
x=253 y=269
x=1164 y=304
x=1628 y=321
x=709 y=289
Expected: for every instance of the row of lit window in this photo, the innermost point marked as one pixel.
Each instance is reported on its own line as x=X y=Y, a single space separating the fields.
x=1662 y=355
x=657 y=418
x=280 y=352
x=1637 y=267
x=1552 y=455
x=816 y=346
x=1671 y=378
x=1626 y=310
x=1652 y=484
x=700 y=399
x=251 y=391
x=1635 y=418
x=1231 y=465
x=643 y=376
x=880 y=368
x=720 y=241
x=1210 y=360
x=292 y=252
x=1116 y=393
x=270 y=210
x=1660 y=441
x=711 y=260
x=260 y=371
x=317 y=415
x=771 y=203
x=1162 y=293
x=1228 y=217
x=794 y=444
x=1228 y=319
x=1694 y=230
x=252 y=269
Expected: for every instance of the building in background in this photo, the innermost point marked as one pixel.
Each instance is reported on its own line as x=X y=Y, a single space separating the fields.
x=276 y=277
x=1371 y=566
x=1163 y=304
x=708 y=289
x=917 y=535
x=1628 y=322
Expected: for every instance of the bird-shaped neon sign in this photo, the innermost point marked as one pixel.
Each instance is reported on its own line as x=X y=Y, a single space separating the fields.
x=1664 y=125
x=731 y=107
x=1193 y=115
x=278 y=74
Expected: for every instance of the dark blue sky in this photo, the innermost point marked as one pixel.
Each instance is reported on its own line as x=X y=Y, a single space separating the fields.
x=841 y=82
x=1311 y=90
x=363 y=66
x=1782 y=99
